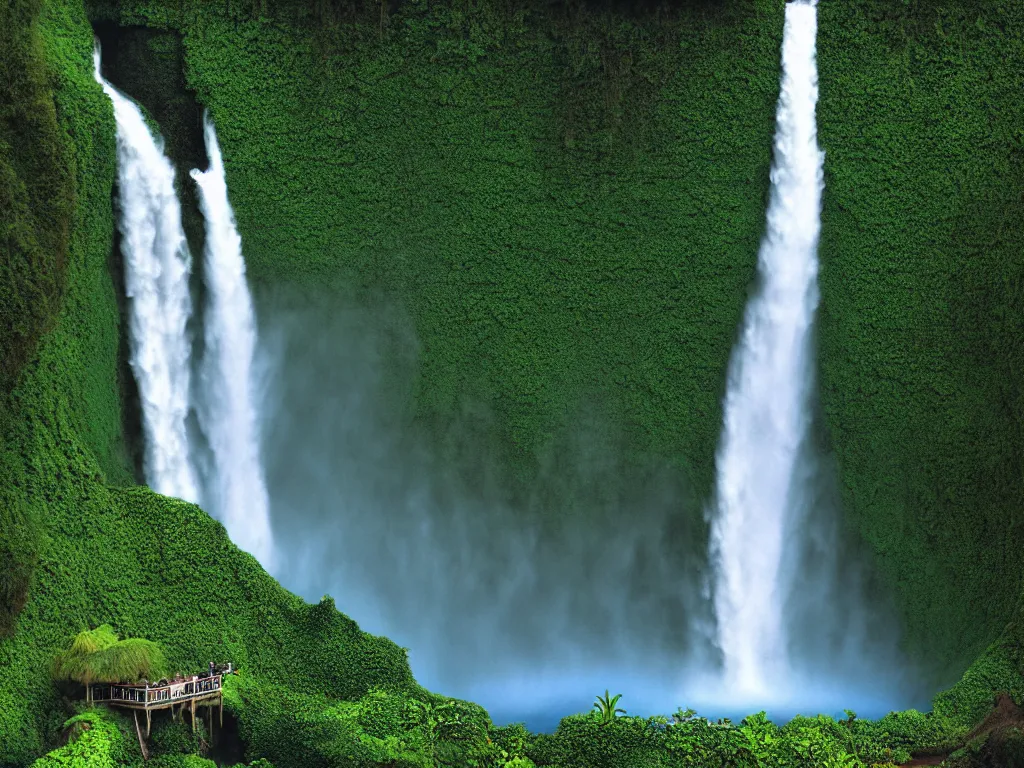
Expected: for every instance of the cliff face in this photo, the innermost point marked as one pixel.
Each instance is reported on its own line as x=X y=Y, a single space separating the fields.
x=542 y=202
x=60 y=313
x=569 y=208
x=922 y=308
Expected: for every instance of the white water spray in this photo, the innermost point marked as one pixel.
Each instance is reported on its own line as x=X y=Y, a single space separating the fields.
x=227 y=409
x=157 y=266
x=760 y=489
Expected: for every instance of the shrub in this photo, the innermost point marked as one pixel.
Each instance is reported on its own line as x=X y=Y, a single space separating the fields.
x=96 y=655
x=96 y=741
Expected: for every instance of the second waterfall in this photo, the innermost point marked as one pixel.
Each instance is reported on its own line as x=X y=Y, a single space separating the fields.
x=237 y=492
x=762 y=485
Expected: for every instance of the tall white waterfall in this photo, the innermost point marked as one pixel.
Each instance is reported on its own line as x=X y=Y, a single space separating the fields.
x=760 y=485
x=226 y=407
x=157 y=265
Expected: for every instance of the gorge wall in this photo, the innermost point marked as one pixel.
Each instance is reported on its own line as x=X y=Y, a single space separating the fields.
x=922 y=305
x=614 y=173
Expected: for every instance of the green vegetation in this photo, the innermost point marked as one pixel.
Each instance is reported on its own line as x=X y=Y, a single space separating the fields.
x=97 y=656
x=95 y=741
x=37 y=191
x=546 y=193
x=568 y=203
x=605 y=706
x=921 y=344
x=384 y=729
x=687 y=741
x=36 y=196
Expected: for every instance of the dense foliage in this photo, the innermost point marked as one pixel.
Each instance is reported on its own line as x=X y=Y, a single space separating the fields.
x=36 y=196
x=95 y=741
x=569 y=206
x=568 y=202
x=922 y=306
x=546 y=196
x=36 y=191
x=97 y=655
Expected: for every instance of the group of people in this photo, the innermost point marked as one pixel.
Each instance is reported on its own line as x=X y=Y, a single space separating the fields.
x=212 y=670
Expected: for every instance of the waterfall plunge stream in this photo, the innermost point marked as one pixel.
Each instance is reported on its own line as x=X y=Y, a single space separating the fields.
x=157 y=266
x=227 y=408
x=761 y=488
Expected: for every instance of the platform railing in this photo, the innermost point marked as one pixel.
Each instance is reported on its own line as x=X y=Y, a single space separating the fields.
x=145 y=694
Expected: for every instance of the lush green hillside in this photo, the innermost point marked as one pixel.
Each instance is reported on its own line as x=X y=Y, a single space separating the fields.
x=151 y=566
x=923 y=125
x=36 y=192
x=58 y=168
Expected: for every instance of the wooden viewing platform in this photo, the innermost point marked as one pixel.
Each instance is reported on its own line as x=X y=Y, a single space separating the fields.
x=193 y=692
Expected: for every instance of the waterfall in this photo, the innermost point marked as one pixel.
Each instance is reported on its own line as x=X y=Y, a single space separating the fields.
x=761 y=481
x=157 y=266
x=226 y=407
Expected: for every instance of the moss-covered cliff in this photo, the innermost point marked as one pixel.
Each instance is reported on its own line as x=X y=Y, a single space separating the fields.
x=58 y=170
x=547 y=193
x=923 y=230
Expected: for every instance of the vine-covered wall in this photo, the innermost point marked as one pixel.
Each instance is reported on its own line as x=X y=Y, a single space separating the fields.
x=569 y=203
x=922 y=305
x=568 y=206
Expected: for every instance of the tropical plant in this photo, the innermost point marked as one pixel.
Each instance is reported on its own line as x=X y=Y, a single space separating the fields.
x=605 y=705
x=129 y=660
x=96 y=655
x=683 y=715
x=76 y=662
x=762 y=740
x=816 y=742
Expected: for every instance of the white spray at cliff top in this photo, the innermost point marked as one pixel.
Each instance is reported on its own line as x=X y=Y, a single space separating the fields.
x=767 y=402
x=157 y=266
x=227 y=408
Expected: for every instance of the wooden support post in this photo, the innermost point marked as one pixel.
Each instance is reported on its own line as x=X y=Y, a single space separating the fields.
x=138 y=732
x=222 y=710
x=149 y=721
x=193 y=715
